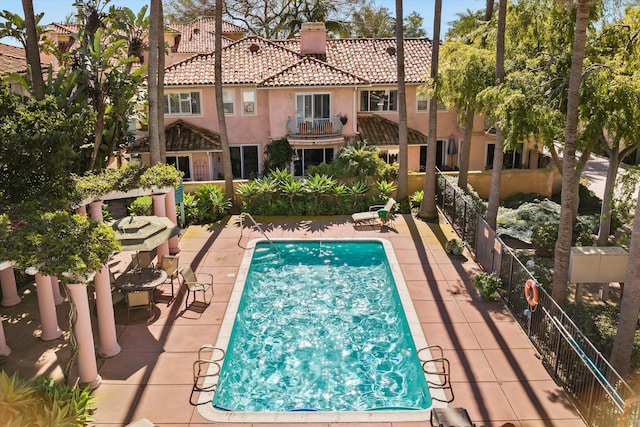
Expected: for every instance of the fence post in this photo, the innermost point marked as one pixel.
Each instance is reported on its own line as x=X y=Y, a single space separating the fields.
x=453 y=213
x=464 y=222
x=510 y=282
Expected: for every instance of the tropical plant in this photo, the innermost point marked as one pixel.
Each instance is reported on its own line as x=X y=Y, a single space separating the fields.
x=358 y=160
x=278 y=154
x=487 y=284
x=43 y=402
x=318 y=185
x=358 y=190
x=454 y=246
x=292 y=189
x=211 y=203
x=141 y=206
x=249 y=190
x=416 y=199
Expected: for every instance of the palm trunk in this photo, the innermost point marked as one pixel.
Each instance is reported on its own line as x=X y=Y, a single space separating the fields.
x=152 y=88
x=403 y=132
x=565 y=228
x=162 y=143
x=97 y=140
x=630 y=304
x=222 y=124
x=428 y=208
x=465 y=149
x=498 y=152
x=33 y=53
x=605 y=212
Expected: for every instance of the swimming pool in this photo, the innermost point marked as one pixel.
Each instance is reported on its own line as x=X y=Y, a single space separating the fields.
x=322 y=325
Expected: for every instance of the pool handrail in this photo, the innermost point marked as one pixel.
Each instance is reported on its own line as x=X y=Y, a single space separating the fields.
x=242 y=215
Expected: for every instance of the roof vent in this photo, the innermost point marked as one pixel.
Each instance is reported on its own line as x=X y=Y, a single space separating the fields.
x=391 y=50
x=254 y=48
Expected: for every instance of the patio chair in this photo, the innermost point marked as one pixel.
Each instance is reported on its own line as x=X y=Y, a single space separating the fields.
x=377 y=212
x=138 y=299
x=169 y=264
x=200 y=282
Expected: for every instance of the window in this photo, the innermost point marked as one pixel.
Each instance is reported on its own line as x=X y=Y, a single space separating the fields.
x=440 y=155
x=244 y=161
x=389 y=155
x=422 y=103
x=249 y=102
x=305 y=157
x=182 y=103
x=182 y=164
x=228 y=100
x=313 y=108
x=512 y=158
x=379 y=100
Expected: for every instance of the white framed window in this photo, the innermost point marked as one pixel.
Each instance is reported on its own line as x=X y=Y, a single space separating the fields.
x=244 y=161
x=303 y=158
x=182 y=103
x=441 y=153
x=422 y=103
x=248 y=102
x=379 y=100
x=228 y=101
x=182 y=163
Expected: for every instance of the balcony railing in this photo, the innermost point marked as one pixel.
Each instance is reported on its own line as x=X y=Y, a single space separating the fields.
x=314 y=128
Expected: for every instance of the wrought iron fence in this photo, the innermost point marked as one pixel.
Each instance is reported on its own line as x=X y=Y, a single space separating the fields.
x=603 y=398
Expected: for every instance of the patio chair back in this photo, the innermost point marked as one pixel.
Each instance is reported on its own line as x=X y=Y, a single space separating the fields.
x=188 y=274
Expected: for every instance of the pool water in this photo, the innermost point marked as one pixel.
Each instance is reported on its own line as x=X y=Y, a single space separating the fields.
x=320 y=327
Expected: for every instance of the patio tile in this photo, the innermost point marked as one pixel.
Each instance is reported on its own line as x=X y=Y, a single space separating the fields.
x=116 y=402
x=165 y=404
x=438 y=311
x=469 y=366
x=517 y=364
x=483 y=401
x=184 y=337
x=534 y=400
x=421 y=272
x=450 y=336
x=410 y=256
x=483 y=311
x=420 y=290
x=500 y=335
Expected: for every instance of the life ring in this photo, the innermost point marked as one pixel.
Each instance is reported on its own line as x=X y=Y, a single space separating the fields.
x=531 y=293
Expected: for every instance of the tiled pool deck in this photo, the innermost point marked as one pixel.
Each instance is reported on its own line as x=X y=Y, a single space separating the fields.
x=496 y=375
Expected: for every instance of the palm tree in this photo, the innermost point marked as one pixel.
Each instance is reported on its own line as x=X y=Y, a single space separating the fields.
x=630 y=304
x=498 y=152
x=428 y=206
x=565 y=228
x=152 y=85
x=222 y=124
x=403 y=132
x=33 y=53
x=161 y=49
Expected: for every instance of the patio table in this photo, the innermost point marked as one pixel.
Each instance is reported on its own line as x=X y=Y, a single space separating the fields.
x=140 y=279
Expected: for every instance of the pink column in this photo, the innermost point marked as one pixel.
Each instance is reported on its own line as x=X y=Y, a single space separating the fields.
x=87 y=366
x=55 y=287
x=82 y=210
x=10 y=295
x=170 y=206
x=4 y=348
x=47 y=307
x=159 y=209
x=108 y=342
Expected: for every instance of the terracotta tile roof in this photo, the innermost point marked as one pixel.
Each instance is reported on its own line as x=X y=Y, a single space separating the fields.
x=254 y=60
x=312 y=72
x=381 y=131
x=247 y=61
x=375 y=59
x=60 y=28
x=13 y=59
x=181 y=136
x=198 y=36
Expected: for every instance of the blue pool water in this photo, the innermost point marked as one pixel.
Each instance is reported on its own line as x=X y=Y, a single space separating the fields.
x=320 y=326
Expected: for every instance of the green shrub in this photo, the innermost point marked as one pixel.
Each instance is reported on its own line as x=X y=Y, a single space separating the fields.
x=416 y=199
x=277 y=155
x=142 y=206
x=454 y=246
x=211 y=204
x=487 y=284
x=544 y=238
x=43 y=402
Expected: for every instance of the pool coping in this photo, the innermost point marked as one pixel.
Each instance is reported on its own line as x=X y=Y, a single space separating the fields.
x=210 y=413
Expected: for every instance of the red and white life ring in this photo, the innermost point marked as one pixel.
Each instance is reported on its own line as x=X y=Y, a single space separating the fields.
x=531 y=292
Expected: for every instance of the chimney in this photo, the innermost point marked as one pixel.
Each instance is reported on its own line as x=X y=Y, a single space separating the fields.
x=313 y=38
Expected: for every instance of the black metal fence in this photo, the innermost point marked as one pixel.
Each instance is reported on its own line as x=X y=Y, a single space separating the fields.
x=597 y=390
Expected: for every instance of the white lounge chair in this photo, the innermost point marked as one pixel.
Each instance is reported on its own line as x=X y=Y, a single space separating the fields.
x=375 y=213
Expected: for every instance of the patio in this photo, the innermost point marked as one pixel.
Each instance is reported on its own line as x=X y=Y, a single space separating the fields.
x=496 y=375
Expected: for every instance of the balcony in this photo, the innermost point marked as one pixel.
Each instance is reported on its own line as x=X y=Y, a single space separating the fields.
x=300 y=129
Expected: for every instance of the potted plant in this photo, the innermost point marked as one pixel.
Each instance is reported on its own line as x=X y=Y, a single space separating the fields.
x=487 y=284
x=343 y=118
x=455 y=246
